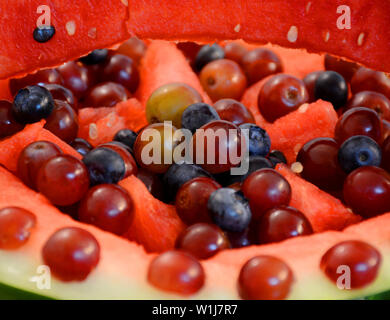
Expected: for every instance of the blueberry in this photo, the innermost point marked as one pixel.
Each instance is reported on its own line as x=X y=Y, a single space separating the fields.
x=43 y=34
x=259 y=141
x=104 y=166
x=180 y=173
x=32 y=104
x=358 y=151
x=229 y=210
x=331 y=86
x=95 y=57
x=126 y=136
x=276 y=156
x=255 y=163
x=207 y=54
x=197 y=115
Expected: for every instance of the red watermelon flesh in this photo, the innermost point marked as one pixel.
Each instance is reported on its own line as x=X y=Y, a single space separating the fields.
x=99 y=125
x=156 y=225
x=289 y=133
x=81 y=26
x=163 y=63
x=11 y=147
x=5 y=93
x=323 y=211
x=314 y=25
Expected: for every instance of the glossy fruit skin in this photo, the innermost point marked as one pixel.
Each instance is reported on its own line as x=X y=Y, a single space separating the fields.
x=223 y=79
x=121 y=69
x=385 y=129
x=345 y=68
x=192 y=197
x=233 y=111
x=202 y=240
x=367 y=79
x=153 y=183
x=63 y=121
x=266 y=189
x=255 y=163
x=359 y=151
x=197 y=115
x=239 y=239
x=358 y=121
x=282 y=223
x=331 y=86
x=81 y=146
x=59 y=92
x=31 y=159
x=281 y=95
x=386 y=154
x=104 y=166
x=367 y=191
x=95 y=57
x=177 y=272
x=49 y=76
x=372 y=100
x=134 y=48
x=234 y=51
x=259 y=142
x=77 y=78
x=265 y=278
x=229 y=210
x=32 y=104
x=225 y=153
x=168 y=102
x=309 y=81
x=207 y=54
x=260 y=63
x=106 y=94
x=8 y=125
x=362 y=259
x=71 y=253
x=108 y=207
x=157 y=137
x=16 y=225
x=320 y=163
x=276 y=156
x=127 y=137
x=121 y=149
x=180 y=173
x=63 y=180
x=43 y=35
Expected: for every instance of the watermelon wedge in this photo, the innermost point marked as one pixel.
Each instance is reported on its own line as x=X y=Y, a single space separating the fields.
x=163 y=63
x=99 y=125
x=323 y=211
x=11 y=147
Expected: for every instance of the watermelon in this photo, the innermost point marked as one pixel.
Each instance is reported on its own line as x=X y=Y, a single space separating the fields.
x=163 y=63
x=80 y=28
x=11 y=147
x=122 y=269
x=121 y=272
x=99 y=125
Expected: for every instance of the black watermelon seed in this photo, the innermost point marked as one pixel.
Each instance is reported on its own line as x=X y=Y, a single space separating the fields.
x=44 y=34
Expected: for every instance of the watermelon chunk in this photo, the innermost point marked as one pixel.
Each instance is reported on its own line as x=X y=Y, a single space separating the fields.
x=11 y=147
x=156 y=225
x=80 y=28
x=163 y=63
x=310 y=121
x=323 y=211
x=314 y=25
x=5 y=93
x=99 y=125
